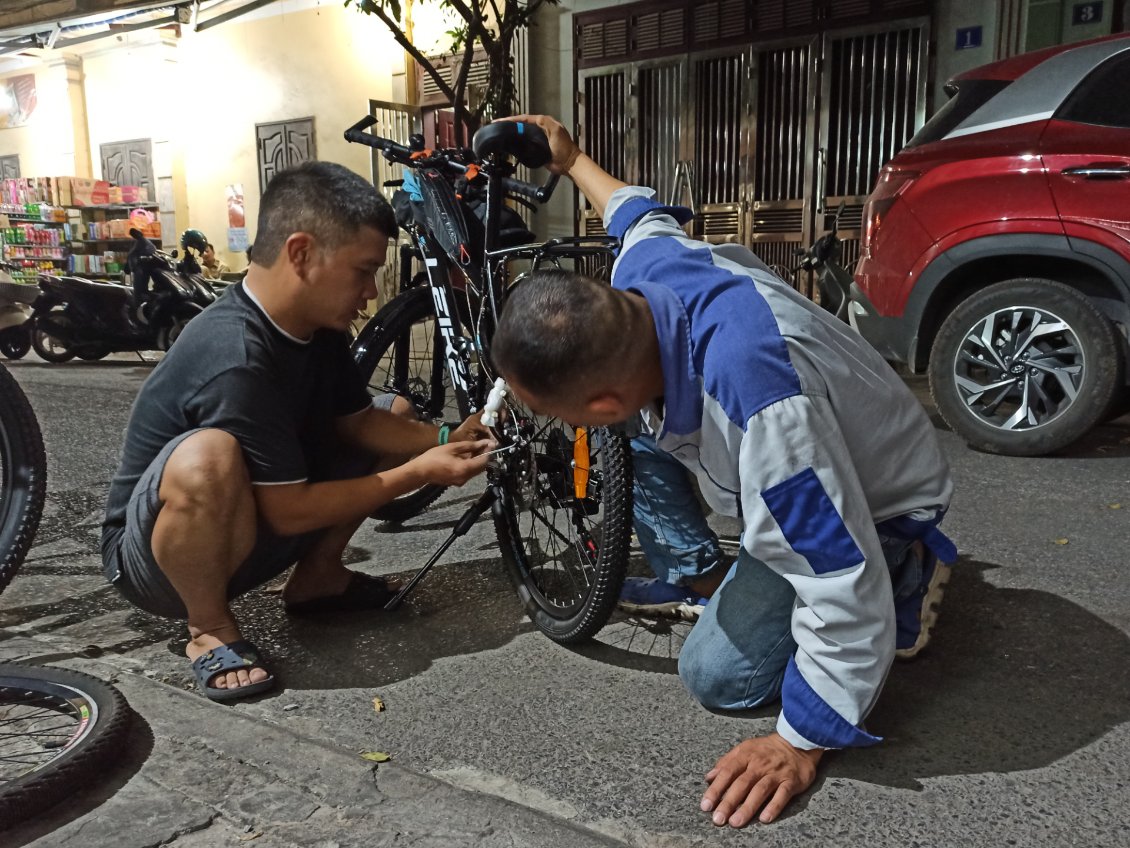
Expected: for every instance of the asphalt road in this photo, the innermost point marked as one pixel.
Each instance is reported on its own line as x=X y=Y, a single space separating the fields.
x=1011 y=729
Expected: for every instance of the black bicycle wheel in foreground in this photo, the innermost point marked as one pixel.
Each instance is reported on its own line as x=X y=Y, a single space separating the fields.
x=565 y=523
x=23 y=476
x=58 y=729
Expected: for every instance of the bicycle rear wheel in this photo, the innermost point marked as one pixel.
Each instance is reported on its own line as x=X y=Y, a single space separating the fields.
x=60 y=728
x=564 y=528
x=23 y=476
x=400 y=351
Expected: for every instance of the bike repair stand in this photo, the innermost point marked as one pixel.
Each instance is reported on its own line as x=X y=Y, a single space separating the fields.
x=484 y=502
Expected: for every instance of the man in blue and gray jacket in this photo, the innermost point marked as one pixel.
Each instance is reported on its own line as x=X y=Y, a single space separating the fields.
x=788 y=420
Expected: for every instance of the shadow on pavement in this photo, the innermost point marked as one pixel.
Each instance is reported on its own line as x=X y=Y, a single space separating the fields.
x=459 y=609
x=86 y=798
x=1016 y=679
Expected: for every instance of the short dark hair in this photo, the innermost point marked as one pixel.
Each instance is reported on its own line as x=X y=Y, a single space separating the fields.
x=211 y=247
x=559 y=331
x=321 y=198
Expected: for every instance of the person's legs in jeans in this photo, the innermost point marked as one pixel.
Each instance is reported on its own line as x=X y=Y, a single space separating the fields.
x=735 y=657
x=668 y=518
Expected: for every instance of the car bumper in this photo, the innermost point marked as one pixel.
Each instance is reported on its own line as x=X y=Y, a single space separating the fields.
x=886 y=335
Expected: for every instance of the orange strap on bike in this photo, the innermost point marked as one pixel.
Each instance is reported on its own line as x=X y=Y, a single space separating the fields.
x=581 y=464
x=422 y=154
x=472 y=172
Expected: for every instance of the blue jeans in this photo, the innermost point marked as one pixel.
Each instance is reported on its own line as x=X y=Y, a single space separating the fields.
x=735 y=656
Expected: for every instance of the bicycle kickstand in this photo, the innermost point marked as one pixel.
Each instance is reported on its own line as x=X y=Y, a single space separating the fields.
x=485 y=501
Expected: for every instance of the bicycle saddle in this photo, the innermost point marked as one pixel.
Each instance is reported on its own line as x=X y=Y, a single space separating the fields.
x=525 y=142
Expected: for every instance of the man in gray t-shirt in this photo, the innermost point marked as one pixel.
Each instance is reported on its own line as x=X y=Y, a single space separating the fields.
x=253 y=444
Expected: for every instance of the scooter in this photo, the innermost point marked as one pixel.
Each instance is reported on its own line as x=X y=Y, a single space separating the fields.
x=833 y=280
x=16 y=300
x=78 y=317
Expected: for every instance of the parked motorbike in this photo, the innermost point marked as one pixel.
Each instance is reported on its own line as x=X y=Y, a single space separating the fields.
x=16 y=300
x=78 y=317
x=833 y=280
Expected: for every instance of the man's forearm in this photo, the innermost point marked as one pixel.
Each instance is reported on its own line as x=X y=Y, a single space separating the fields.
x=387 y=434
x=301 y=507
x=594 y=182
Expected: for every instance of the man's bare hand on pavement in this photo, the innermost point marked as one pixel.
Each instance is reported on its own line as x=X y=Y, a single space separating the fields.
x=759 y=774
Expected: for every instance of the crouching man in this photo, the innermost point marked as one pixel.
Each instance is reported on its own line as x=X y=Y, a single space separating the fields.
x=255 y=445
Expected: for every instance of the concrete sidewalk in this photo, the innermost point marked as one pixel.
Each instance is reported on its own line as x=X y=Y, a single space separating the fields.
x=200 y=774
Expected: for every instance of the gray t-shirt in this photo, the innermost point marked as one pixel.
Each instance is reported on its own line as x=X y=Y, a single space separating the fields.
x=232 y=369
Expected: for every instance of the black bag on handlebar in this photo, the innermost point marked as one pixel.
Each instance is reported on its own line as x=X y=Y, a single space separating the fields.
x=445 y=217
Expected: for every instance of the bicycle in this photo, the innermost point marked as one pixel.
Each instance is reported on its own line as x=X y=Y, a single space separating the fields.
x=57 y=727
x=560 y=496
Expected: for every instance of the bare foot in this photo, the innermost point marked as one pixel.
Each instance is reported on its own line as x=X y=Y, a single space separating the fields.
x=204 y=641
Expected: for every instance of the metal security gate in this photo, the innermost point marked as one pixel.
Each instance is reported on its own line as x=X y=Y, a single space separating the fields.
x=720 y=127
x=873 y=100
x=784 y=115
x=762 y=141
x=605 y=129
x=662 y=95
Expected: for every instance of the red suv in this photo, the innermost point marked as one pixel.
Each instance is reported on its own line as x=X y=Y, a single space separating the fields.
x=996 y=249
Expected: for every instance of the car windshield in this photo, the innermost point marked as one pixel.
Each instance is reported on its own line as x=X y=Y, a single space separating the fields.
x=967 y=97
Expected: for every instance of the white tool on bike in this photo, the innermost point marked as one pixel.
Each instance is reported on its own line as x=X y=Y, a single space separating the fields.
x=494 y=402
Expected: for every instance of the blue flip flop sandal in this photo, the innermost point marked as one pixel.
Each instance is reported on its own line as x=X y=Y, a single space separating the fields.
x=230 y=657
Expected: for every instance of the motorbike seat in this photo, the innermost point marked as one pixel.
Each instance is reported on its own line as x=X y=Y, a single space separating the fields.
x=68 y=287
x=18 y=292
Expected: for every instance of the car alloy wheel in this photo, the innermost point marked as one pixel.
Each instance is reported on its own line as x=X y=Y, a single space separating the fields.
x=1024 y=367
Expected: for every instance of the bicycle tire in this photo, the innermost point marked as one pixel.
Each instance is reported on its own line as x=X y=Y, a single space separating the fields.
x=588 y=610
x=23 y=476
x=99 y=712
x=392 y=326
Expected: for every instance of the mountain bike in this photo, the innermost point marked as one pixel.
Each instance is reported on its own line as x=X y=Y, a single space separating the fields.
x=560 y=496
x=57 y=727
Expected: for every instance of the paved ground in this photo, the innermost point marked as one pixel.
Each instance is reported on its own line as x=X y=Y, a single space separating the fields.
x=1012 y=730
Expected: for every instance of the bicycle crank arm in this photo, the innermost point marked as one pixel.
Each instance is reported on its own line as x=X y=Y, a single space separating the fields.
x=484 y=502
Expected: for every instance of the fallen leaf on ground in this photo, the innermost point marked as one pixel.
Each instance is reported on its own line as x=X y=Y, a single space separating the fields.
x=1061 y=541
x=247 y=837
x=1115 y=506
x=376 y=756
x=378 y=705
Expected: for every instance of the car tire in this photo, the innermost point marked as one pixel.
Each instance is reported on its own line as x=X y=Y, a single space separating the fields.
x=1025 y=367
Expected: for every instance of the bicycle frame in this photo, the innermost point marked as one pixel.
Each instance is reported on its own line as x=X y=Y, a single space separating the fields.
x=487 y=274
x=486 y=284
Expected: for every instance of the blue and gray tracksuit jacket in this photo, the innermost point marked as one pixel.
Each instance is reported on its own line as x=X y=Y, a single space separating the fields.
x=793 y=422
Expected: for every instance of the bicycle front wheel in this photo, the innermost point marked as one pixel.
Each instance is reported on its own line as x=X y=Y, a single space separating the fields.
x=23 y=476
x=400 y=351
x=61 y=728
x=564 y=522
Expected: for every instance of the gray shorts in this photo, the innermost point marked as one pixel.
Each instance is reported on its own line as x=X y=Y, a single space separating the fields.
x=127 y=553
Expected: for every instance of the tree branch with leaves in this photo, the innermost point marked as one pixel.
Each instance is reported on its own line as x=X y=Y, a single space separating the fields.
x=488 y=26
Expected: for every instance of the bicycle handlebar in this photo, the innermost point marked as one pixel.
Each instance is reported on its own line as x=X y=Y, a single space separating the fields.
x=406 y=156
x=357 y=134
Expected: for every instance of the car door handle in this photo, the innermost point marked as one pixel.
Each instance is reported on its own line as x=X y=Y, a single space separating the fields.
x=1099 y=171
